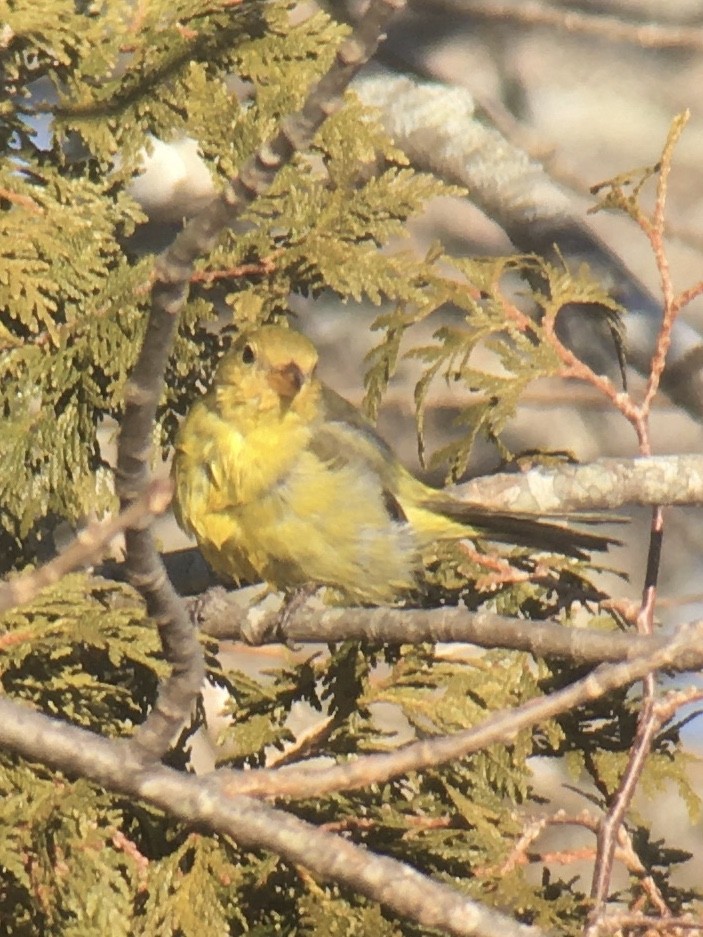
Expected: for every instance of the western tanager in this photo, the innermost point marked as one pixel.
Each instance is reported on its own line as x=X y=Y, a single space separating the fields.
x=280 y=479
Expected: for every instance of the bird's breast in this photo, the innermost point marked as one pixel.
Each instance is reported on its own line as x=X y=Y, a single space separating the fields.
x=238 y=465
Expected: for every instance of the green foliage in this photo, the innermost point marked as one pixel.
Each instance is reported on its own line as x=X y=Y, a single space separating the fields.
x=81 y=858
x=86 y=83
x=85 y=650
x=60 y=871
x=491 y=347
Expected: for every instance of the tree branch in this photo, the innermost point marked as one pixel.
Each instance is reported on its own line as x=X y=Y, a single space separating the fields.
x=685 y=651
x=88 y=546
x=253 y=825
x=594 y=486
x=598 y=25
x=229 y=616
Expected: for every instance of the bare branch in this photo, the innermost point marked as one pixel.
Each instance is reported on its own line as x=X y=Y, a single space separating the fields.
x=228 y=616
x=601 y=26
x=611 y=826
x=88 y=547
x=437 y=127
x=655 y=231
x=253 y=825
x=621 y=923
x=502 y=727
x=594 y=486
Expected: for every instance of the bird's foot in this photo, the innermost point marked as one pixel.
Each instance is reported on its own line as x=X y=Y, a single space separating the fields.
x=292 y=604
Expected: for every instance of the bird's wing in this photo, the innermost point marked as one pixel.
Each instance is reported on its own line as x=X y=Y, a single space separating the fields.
x=345 y=437
x=352 y=436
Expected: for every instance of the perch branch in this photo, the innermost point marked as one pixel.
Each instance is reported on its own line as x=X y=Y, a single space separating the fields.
x=502 y=727
x=228 y=617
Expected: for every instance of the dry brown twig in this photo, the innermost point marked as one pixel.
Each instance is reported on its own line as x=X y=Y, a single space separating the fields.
x=598 y=25
x=88 y=547
x=611 y=827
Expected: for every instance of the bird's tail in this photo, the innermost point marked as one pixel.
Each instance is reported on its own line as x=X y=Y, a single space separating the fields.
x=529 y=530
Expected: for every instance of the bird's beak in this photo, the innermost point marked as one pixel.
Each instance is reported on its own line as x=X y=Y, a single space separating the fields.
x=286 y=380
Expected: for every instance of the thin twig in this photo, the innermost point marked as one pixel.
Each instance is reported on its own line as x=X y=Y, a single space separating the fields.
x=655 y=231
x=88 y=548
x=622 y=922
x=262 y=267
x=611 y=827
x=667 y=706
x=610 y=28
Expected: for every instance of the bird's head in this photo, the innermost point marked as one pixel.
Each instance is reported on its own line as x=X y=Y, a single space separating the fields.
x=268 y=368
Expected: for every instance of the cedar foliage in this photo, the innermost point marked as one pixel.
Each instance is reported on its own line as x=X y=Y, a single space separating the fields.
x=86 y=84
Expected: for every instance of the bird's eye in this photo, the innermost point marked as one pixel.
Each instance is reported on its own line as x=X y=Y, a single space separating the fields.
x=248 y=355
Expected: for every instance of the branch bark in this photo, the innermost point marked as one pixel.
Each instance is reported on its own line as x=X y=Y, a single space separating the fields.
x=595 y=486
x=229 y=616
x=201 y=801
x=610 y=28
x=88 y=546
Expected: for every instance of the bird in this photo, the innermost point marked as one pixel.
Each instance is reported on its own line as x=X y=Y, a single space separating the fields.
x=282 y=480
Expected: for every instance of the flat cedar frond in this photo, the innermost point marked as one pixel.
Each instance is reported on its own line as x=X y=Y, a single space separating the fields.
x=83 y=648
x=495 y=351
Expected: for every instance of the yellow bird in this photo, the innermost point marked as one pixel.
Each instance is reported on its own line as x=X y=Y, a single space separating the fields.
x=280 y=479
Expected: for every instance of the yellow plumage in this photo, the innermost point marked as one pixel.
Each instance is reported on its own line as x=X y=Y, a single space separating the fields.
x=280 y=479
